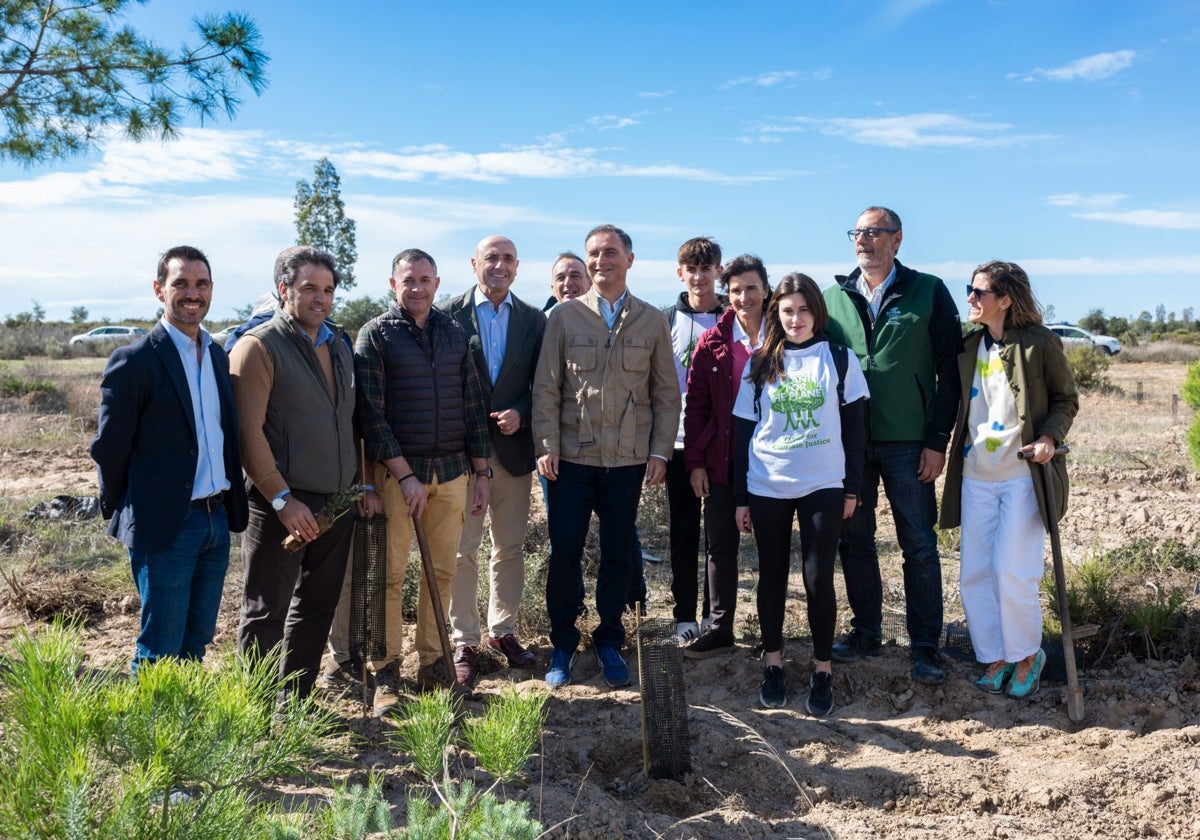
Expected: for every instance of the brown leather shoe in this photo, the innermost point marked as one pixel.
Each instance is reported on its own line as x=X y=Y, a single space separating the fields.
x=433 y=676
x=517 y=656
x=464 y=665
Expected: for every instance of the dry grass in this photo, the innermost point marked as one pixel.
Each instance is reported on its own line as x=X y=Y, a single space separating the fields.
x=1116 y=430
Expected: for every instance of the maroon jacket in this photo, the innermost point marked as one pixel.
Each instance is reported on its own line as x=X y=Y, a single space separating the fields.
x=708 y=410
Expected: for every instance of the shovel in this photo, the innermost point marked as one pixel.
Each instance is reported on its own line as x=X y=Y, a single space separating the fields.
x=435 y=598
x=1074 y=692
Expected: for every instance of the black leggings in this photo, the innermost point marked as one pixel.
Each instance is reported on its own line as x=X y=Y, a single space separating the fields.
x=820 y=517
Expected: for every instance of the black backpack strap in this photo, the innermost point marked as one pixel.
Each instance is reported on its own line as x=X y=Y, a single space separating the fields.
x=841 y=362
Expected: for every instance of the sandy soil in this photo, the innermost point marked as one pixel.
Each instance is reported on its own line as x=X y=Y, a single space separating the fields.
x=895 y=759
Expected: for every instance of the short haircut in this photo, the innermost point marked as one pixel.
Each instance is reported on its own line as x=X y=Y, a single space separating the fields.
x=625 y=240
x=289 y=261
x=741 y=265
x=569 y=255
x=1010 y=279
x=893 y=218
x=700 y=250
x=411 y=255
x=183 y=253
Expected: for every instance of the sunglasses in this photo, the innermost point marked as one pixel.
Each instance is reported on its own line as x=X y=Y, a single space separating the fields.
x=979 y=293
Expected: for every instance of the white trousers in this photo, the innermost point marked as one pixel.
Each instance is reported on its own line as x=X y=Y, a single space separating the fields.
x=1003 y=542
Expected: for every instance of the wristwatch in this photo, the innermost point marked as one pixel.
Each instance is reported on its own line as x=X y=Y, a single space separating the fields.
x=280 y=501
x=484 y=473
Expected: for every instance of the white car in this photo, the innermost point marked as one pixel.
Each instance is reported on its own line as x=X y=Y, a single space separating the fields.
x=1073 y=336
x=113 y=334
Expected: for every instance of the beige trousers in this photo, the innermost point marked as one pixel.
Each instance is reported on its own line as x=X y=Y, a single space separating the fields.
x=443 y=521
x=509 y=515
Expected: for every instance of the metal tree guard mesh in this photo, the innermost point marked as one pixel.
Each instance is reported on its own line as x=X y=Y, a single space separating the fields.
x=665 y=752
x=368 y=575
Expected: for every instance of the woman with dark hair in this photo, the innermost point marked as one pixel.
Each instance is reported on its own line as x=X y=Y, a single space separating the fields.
x=714 y=378
x=1018 y=396
x=801 y=438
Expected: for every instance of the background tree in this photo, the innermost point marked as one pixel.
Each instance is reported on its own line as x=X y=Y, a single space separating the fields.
x=321 y=220
x=352 y=314
x=67 y=71
x=1094 y=321
x=78 y=314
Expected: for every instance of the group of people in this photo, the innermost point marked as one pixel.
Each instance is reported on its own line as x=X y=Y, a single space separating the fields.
x=755 y=406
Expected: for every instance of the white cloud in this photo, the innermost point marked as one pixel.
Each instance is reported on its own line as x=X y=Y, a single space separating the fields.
x=1102 y=208
x=1155 y=266
x=656 y=94
x=1100 y=201
x=788 y=78
x=1161 y=219
x=1091 y=68
x=138 y=172
x=905 y=132
x=611 y=121
x=542 y=161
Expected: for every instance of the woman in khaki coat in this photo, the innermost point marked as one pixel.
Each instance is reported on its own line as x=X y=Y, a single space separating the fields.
x=1018 y=396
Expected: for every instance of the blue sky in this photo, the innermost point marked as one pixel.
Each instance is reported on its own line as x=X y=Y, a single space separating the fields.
x=1061 y=135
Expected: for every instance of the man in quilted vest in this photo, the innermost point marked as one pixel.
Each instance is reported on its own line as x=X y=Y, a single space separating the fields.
x=425 y=426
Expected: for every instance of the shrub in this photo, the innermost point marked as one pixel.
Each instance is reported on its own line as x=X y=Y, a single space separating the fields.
x=503 y=740
x=1089 y=368
x=177 y=754
x=1191 y=386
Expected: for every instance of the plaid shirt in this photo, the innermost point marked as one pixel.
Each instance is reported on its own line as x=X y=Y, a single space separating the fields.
x=381 y=443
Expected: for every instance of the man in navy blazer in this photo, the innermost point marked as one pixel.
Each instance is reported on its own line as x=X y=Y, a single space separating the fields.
x=169 y=464
x=505 y=337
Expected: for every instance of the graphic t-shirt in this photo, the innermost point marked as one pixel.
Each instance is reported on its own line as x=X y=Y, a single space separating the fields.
x=993 y=425
x=685 y=334
x=797 y=444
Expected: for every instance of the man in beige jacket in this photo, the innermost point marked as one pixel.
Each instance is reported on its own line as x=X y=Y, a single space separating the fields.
x=605 y=411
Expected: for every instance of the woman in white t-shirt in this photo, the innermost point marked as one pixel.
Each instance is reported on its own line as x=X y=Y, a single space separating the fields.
x=1018 y=396
x=801 y=437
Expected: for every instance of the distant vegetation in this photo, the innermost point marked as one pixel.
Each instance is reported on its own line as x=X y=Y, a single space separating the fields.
x=1146 y=327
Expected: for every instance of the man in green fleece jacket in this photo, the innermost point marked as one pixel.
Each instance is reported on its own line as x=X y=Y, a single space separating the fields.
x=904 y=327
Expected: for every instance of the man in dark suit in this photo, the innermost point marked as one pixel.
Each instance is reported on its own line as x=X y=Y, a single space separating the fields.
x=505 y=337
x=169 y=464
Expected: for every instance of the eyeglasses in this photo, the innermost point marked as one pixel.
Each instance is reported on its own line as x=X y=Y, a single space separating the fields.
x=979 y=293
x=869 y=233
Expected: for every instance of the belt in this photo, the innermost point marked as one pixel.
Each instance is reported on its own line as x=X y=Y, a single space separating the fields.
x=211 y=503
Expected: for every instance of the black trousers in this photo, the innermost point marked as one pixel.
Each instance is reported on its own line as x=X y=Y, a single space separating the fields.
x=723 y=537
x=820 y=518
x=288 y=598
x=684 y=512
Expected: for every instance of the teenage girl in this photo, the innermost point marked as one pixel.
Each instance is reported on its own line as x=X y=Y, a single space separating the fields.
x=801 y=439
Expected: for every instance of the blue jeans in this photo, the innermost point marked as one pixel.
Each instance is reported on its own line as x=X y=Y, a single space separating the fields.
x=914 y=510
x=181 y=587
x=613 y=493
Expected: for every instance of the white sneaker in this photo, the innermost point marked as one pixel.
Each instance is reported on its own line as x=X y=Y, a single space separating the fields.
x=686 y=632
x=706 y=624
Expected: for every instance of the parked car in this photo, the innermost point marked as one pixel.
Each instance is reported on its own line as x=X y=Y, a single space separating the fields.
x=223 y=335
x=109 y=334
x=1073 y=336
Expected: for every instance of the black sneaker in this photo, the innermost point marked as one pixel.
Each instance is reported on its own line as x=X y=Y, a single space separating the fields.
x=926 y=669
x=855 y=646
x=710 y=644
x=820 y=694
x=773 y=691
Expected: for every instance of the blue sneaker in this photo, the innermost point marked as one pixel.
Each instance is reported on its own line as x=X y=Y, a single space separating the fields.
x=561 y=663
x=616 y=672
